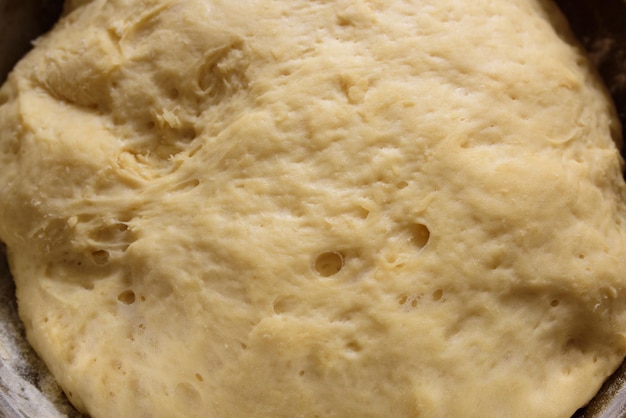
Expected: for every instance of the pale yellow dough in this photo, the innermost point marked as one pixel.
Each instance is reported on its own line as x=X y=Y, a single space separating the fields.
x=359 y=208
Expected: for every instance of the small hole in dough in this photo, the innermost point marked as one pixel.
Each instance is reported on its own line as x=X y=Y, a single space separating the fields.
x=555 y=303
x=100 y=256
x=329 y=264
x=189 y=134
x=437 y=294
x=127 y=297
x=401 y=185
x=199 y=377
x=362 y=212
x=419 y=235
x=353 y=346
x=402 y=299
x=283 y=304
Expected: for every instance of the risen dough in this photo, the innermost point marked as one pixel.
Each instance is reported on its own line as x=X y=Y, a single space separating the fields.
x=355 y=208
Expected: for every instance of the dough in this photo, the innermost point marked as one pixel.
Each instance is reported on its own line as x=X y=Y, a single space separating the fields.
x=302 y=208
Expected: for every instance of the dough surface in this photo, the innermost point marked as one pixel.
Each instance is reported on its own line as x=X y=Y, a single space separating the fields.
x=359 y=208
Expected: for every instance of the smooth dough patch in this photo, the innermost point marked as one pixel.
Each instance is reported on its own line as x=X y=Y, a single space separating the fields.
x=359 y=208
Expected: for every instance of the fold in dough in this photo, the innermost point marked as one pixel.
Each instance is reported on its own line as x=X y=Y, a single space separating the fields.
x=359 y=208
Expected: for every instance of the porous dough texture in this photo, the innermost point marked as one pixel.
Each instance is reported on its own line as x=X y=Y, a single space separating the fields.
x=359 y=208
